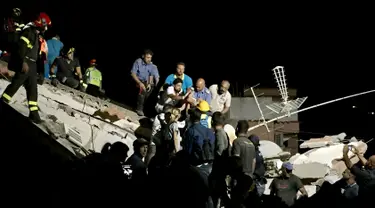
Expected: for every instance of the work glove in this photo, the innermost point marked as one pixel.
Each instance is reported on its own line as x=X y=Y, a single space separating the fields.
x=81 y=86
x=40 y=79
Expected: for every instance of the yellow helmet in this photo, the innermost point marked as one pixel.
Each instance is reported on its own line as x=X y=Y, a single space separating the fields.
x=203 y=106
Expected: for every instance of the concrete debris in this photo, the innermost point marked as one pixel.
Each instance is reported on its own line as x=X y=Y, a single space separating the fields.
x=329 y=158
x=311 y=170
x=325 y=141
x=269 y=149
x=69 y=118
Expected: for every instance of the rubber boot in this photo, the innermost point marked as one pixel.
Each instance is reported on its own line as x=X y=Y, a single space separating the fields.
x=34 y=117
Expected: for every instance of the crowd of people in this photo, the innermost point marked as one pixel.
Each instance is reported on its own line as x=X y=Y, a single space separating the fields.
x=189 y=161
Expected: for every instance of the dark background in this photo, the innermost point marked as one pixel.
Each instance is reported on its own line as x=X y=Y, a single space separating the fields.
x=327 y=53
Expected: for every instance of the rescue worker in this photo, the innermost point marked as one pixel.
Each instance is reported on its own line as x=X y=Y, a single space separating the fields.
x=24 y=62
x=206 y=119
x=93 y=79
x=69 y=70
x=13 y=26
x=42 y=61
x=204 y=108
x=54 y=48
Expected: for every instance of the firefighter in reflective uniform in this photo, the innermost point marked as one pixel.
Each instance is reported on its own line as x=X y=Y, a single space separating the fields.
x=24 y=63
x=93 y=79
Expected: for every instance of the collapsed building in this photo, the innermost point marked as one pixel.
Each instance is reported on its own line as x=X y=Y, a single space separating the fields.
x=83 y=124
x=78 y=121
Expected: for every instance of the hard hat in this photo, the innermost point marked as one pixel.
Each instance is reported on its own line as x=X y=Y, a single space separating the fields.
x=66 y=51
x=203 y=106
x=42 y=20
x=17 y=11
x=93 y=62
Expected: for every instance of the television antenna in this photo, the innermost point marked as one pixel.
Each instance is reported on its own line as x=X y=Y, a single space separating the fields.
x=290 y=107
x=286 y=105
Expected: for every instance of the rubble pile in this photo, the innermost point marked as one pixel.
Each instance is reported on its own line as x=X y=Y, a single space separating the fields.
x=78 y=121
x=323 y=162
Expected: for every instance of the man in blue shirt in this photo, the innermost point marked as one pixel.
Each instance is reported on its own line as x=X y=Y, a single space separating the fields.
x=54 y=48
x=187 y=82
x=144 y=72
x=201 y=91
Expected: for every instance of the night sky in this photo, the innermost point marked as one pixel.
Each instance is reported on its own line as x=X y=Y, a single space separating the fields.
x=326 y=54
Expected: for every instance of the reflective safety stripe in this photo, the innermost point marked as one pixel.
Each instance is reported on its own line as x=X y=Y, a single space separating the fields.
x=34 y=108
x=33 y=103
x=80 y=81
x=27 y=41
x=84 y=85
x=6 y=96
x=18 y=29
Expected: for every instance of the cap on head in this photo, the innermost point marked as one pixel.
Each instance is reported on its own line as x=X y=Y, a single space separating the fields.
x=288 y=165
x=254 y=139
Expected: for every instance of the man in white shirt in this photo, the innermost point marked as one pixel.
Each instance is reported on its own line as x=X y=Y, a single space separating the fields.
x=221 y=97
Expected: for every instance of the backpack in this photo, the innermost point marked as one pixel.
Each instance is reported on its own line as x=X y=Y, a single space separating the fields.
x=203 y=147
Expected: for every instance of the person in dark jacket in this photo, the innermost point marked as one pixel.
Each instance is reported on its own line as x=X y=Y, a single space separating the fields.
x=138 y=167
x=260 y=168
x=24 y=62
x=13 y=26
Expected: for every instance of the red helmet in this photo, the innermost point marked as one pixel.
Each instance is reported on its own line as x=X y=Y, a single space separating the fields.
x=93 y=62
x=42 y=20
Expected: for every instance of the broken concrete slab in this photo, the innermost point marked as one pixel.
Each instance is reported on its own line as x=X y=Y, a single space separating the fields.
x=330 y=156
x=75 y=111
x=310 y=170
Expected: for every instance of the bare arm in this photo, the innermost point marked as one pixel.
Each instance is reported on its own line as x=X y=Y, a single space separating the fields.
x=300 y=187
x=79 y=72
x=227 y=104
x=134 y=76
x=176 y=141
x=346 y=158
x=303 y=191
x=362 y=159
x=226 y=109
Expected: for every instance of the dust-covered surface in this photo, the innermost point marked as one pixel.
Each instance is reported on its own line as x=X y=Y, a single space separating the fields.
x=78 y=121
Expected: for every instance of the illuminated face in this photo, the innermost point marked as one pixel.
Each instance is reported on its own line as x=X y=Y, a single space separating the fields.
x=180 y=69
x=70 y=56
x=143 y=150
x=178 y=87
x=147 y=58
